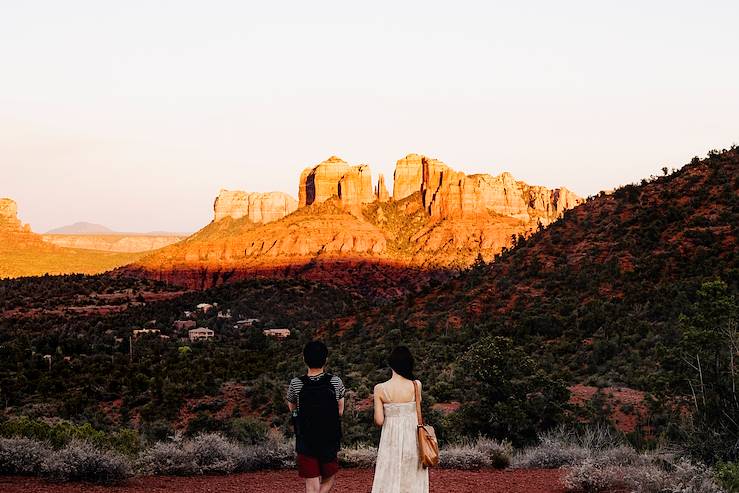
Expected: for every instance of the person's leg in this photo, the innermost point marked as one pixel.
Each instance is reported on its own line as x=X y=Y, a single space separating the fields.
x=327 y=484
x=313 y=485
x=328 y=474
x=309 y=469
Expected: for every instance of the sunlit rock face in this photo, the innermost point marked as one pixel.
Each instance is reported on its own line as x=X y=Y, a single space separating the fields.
x=9 y=215
x=447 y=193
x=335 y=178
x=381 y=193
x=257 y=207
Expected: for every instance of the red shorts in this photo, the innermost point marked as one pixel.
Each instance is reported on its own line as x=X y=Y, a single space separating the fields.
x=311 y=467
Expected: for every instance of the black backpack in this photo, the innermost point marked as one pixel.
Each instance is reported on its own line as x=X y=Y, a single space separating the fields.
x=317 y=424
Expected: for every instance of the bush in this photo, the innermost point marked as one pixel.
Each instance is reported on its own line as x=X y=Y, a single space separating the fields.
x=678 y=476
x=214 y=454
x=82 y=461
x=22 y=456
x=727 y=474
x=275 y=453
x=363 y=456
x=550 y=455
x=60 y=434
x=169 y=459
x=248 y=430
x=478 y=454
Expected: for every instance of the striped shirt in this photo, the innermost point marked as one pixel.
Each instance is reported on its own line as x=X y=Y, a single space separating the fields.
x=296 y=385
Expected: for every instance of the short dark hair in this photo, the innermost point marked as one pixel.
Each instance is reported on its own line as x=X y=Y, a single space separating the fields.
x=401 y=361
x=315 y=354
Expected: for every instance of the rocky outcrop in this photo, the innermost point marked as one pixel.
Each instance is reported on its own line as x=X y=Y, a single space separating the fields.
x=257 y=207
x=439 y=219
x=355 y=189
x=9 y=221
x=321 y=182
x=335 y=178
x=450 y=194
x=381 y=193
x=408 y=176
x=124 y=243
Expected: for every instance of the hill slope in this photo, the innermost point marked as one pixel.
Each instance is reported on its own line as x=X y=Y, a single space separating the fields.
x=600 y=291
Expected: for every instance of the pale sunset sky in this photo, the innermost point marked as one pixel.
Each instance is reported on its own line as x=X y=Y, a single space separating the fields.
x=134 y=114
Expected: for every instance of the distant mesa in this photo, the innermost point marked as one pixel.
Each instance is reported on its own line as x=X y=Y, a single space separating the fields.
x=91 y=236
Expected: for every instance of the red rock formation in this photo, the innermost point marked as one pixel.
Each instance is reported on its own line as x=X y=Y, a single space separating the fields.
x=450 y=194
x=257 y=207
x=334 y=177
x=439 y=219
x=381 y=193
x=408 y=176
x=9 y=221
x=321 y=182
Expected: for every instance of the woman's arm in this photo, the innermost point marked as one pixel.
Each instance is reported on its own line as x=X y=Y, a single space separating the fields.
x=379 y=410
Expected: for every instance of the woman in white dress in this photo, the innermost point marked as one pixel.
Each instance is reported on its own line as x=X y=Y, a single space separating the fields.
x=398 y=468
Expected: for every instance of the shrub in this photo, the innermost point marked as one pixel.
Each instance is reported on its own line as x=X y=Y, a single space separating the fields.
x=275 y=453
x=248 y=430
x=477 y=454
x=169 y=459
x=215 y=454
x=550 y=455
x=679 y=476
x=363 y=456
x=22 y=456
x=82 y=461
x=727 y=474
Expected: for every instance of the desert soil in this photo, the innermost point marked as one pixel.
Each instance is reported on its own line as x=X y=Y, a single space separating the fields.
x=351 y=480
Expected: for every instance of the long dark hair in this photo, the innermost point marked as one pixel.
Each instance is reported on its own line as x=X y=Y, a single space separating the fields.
x=401 y=361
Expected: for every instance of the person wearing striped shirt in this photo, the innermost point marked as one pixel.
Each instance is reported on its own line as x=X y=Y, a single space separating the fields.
x=317 y=467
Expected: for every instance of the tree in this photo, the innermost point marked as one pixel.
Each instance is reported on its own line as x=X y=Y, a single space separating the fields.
x=511 y=397
x=710 y=348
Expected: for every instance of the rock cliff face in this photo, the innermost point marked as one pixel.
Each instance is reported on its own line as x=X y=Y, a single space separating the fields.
x=381 y=192
x=9 y=221
x=335 y=178
x=408 y=176
x=438 y=220
x=257 y=207
x=450 y=194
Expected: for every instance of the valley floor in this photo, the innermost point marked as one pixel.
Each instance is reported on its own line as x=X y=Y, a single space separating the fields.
x=349 y=480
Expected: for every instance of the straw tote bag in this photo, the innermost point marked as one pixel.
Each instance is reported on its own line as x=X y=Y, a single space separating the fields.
x=428 y=446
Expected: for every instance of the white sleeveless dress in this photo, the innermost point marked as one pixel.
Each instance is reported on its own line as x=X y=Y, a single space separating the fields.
x=398 y=468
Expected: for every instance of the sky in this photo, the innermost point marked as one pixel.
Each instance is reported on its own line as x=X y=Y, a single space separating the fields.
x=134 y=114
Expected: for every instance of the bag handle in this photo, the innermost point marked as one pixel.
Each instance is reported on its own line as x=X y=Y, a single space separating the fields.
x=419 y=415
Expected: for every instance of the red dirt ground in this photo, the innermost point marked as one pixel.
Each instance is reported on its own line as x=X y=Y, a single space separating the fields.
x=351 y=480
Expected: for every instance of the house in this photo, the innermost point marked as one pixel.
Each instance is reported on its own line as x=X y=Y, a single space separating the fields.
x=247 y=322
x=204 y=307
x=188 y=314
x=222 y=314
x=277 y=333
x=200 y=334
x=138 y=332
x=184 y=324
